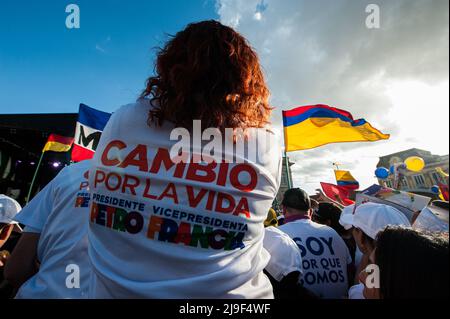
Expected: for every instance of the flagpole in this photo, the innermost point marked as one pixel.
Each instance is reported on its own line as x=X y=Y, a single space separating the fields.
x=34 y=178
x=286 y=161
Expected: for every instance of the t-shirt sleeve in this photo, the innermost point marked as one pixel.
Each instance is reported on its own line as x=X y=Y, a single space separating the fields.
x=285 y=254
x=36 y=212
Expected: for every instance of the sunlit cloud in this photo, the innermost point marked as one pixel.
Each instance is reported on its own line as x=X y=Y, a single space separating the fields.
x=395 y=77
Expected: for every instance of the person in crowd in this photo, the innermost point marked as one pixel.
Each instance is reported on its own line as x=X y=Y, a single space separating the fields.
x=164 y=224
x=51 y=258
x=412 y=264
x=10 y=232
x=280 y=219
x=314 y=205
x=329 y=214
x=285 y=265
x=369 y=219
x=320 y=197
x=345 y=221
x=325 y=256
x=9 y=208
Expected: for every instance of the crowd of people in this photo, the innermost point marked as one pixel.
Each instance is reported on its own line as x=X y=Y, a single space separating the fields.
x=133 y=222
x=374 y=251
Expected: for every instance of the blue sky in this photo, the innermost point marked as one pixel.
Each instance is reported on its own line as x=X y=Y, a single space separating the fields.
x=47 y=68
x=312 y=51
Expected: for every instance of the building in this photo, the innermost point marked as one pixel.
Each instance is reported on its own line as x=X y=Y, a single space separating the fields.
x=416 y=182
x=22 y=137
x=286 y=182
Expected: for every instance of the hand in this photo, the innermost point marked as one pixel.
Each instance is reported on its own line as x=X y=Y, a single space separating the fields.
x=321 y=197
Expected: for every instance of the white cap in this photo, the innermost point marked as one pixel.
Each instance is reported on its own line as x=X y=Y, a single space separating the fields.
x=285 y=256
x=8 y=209
x=372 y=218
x=346 y=217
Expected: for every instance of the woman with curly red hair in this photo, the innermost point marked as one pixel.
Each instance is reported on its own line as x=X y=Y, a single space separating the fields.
x=162 y=228
x=208 y=71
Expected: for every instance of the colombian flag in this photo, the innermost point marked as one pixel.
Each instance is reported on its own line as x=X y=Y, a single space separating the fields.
x=311 y=126
x=346 y=180
x=58 y=143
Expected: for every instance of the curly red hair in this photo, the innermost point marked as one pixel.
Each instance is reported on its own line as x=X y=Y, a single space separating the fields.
x=208 y=72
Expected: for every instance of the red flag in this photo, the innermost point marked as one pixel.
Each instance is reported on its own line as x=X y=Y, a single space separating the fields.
x=444 y=191
x=58 y=143
x=337 y=193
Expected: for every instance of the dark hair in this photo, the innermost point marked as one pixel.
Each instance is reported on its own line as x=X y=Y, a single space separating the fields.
x=413 y=264
x=208 y=72
x=331 y=212
x=289 y=287
x=296 y=198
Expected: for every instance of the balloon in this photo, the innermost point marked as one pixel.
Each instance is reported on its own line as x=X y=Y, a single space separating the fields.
x=435 y=189
x=392 y=169
x=382 y=172
x=415 y=163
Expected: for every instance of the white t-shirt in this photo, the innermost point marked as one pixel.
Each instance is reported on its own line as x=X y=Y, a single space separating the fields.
x=324 y=257
x=165 y=230
x=285 y=256
x=60 y=213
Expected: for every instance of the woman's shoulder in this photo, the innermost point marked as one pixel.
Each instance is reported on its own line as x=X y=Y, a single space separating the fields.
x=139 y=105
x=131 y=113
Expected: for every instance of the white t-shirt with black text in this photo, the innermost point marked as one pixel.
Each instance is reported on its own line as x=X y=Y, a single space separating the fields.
x=325 y=257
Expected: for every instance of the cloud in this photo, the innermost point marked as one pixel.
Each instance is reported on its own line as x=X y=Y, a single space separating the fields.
x=322 y=52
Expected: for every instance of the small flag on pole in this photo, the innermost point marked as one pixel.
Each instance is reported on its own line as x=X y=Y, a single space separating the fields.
x=346 y=180
x=58 y=143
x=90 y=125
x=312 y=126
x=55 y=143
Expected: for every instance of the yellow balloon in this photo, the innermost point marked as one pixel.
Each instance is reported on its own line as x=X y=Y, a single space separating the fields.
x=415 y=163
